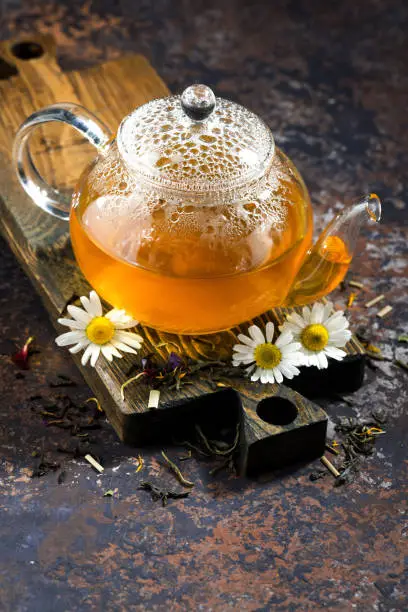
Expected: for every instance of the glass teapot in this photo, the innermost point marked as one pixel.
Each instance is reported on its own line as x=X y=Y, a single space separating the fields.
x=192 y=220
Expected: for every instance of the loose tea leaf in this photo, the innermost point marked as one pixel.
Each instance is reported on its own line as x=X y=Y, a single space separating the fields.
x=177 y=472
x=162 y=494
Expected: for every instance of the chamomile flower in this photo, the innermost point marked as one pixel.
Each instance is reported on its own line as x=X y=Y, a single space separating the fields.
x=267 y=361
x=321 y=333
x=96 y=333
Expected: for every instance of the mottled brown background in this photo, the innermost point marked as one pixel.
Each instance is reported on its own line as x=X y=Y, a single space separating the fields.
x=331 y=79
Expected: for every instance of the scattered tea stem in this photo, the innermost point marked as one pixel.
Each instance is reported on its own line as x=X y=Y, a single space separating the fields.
x=168 y=343
x=375 y=301
x=94 y=399
x=127 y=382
x=332 y=450
x=356 y=284
x=401 y=364
x=211 y=445
x=384 y=311
x=330 y=466
x=94 y=463
x=186 y=457
x=177 y=472
x=154 y=398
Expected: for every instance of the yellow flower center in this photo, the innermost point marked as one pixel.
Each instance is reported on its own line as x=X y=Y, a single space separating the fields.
x=100 y=330
x=314 y=337
x=267 y=356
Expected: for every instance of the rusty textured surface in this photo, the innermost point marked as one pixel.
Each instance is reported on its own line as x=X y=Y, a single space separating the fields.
x=332 y=83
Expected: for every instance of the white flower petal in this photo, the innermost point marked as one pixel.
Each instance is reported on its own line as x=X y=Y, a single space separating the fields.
x=250 y=369
x=292 y=347
x=245 y=360
x=278 y=375
x=338 y=324
x=109 y=351
x=79 y=314
x=71 y=337
x=96 y=351
x=121 y=346
x=270 y=329
x=264 y=377
x=306 y=314
x=335 y=353
x=339 y=314
x=339 y=338
x=86 y=304
x=257 y=374
x=322 y=360
x=95 y=304
x=328 y=309
x=296 y=319
x=87 y=354
x=271 y=377
x=256 y=334
x=79 y=347
x=316 y=315
x=291 y=327
x=133 y=340
x=246 y=340
x=120 y=319
x=286 y=370
x=284 y=339
x=240 y=348
x=72 y=323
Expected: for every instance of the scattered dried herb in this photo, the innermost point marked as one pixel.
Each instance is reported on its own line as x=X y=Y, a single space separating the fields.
x=177 y=472
x=66 y=414
x=356 y=284
x=108 y=493
x=161 y=494
x=403 y=339
x=177 y=372
x=61 y=380
x=94 y=399
x=358 y=440
x=215 y=449
x=185 y=457
x=140 y=463
x=401 y=364
x=21 y=357
x=317 y=475
x=41 y=465
x=351 y=299
x=61 y=477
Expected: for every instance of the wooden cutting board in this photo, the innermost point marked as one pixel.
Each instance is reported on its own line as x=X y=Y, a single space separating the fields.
x=30 y=78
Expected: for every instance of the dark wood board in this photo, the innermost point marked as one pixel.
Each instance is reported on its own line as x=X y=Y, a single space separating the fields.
x=41 y=244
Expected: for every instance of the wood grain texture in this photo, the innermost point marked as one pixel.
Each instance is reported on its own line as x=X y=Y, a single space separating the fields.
x=41 y=242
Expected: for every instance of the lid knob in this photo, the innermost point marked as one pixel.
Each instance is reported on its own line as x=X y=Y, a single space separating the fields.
x=198 y=102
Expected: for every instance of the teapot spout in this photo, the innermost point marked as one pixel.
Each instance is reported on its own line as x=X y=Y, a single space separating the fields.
x=328 y=260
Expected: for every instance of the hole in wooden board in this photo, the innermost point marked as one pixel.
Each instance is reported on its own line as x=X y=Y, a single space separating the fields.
x=7 y=70
x=277 y=411
x=27 y=50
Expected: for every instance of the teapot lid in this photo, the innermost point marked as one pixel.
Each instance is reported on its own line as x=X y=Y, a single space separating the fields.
x=195 y=142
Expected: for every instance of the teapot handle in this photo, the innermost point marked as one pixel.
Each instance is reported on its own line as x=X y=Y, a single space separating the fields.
x=46 y=197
